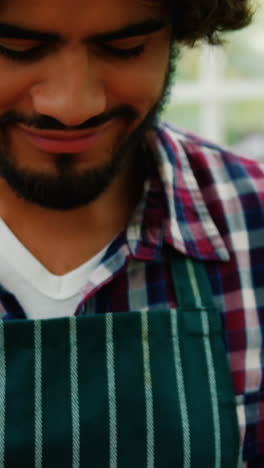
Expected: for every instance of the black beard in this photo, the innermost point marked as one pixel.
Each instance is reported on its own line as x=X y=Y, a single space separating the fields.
x=69 y=189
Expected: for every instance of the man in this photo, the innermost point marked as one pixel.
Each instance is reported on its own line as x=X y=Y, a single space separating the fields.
x=131 y=254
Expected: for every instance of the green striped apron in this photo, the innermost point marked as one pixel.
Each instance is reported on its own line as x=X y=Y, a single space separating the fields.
x=126 y=390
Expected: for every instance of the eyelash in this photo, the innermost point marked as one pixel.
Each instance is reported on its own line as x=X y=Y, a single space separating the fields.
x=37 y=53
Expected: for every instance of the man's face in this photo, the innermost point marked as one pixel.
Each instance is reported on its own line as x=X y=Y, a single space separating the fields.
x=99 y=69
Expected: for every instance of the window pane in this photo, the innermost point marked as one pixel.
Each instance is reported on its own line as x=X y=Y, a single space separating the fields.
x=188 y=65
x=244 y=127
x=183 y=116
x=245 y=51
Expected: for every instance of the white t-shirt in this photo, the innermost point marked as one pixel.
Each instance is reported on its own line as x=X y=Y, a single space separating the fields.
x=41 y=294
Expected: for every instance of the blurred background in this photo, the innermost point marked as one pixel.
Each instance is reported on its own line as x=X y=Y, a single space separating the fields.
x=219 y=91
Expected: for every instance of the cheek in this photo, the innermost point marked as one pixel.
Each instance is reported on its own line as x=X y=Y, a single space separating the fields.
x=139 y=85
x=13 y=86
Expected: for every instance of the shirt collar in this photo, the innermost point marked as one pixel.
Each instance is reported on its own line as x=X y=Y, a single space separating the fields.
x=172 y=210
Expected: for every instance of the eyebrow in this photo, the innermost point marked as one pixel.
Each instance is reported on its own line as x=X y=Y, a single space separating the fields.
x=11 y=31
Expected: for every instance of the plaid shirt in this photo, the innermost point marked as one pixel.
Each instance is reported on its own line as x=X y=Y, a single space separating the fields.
x=208 y=204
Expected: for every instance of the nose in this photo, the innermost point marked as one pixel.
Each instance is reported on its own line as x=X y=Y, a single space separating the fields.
x=71 y=90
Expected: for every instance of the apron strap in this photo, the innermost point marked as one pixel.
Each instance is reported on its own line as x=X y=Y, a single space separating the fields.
x=191 y=283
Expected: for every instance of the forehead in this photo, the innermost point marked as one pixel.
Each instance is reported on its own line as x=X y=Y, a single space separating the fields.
x=78 y=15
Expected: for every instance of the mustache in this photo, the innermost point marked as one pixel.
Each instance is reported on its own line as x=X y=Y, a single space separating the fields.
x=44 y=122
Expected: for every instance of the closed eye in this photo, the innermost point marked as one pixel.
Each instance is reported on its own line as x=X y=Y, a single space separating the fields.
x=24 y=55
x=124 y=53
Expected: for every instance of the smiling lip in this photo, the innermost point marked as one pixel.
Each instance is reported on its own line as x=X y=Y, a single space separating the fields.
x=62 y=142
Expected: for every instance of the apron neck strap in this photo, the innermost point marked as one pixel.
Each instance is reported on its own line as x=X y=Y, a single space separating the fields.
x=190 y=281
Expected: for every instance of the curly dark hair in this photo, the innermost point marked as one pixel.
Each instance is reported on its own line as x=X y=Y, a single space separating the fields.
x=194 y=20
